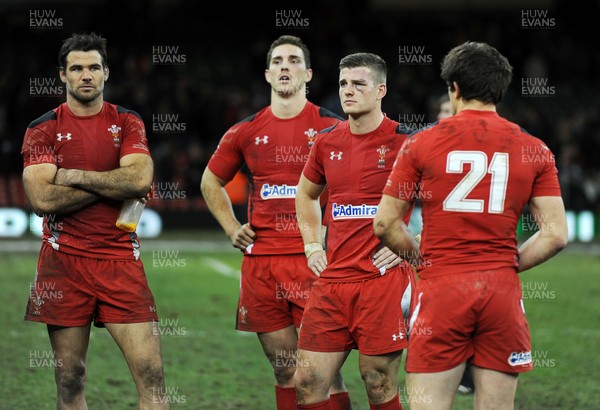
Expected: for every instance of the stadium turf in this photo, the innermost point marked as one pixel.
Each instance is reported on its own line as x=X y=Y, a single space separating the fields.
x=209 y=365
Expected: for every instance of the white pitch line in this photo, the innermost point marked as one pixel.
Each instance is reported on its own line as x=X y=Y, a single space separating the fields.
x=222 y=268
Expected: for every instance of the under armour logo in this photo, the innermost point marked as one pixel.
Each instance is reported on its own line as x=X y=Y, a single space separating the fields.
x=152 y=308
x=398 y=336
x=337 y=156
x=264 y=140
x=59 y=136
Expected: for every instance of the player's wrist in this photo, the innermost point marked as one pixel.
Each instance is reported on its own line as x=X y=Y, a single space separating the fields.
x=311 y=248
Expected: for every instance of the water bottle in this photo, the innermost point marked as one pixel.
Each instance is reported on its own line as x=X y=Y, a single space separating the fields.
x=130 y=214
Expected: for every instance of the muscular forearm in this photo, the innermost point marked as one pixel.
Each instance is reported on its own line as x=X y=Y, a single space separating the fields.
x=396 y=236
x=537 y=249
x=219 y=205
x=56 y=199
x=121 y=183
x=308 y=213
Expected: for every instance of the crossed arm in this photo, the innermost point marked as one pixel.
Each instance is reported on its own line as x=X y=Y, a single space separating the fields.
x=60 y=191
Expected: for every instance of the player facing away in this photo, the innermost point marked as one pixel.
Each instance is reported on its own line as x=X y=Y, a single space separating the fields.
x=356 y=302
x=477 y=174
x=273 y=145
x=466 y=385
x=81 y=161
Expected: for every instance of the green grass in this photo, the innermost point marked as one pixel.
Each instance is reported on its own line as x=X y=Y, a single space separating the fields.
x=210 y=365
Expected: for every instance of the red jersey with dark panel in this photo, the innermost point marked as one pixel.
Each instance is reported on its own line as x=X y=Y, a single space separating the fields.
x=355 y=168
x=274 y=151
x=92 y=143
x=474 y=173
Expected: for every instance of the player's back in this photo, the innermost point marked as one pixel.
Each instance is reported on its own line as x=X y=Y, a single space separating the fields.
x=478 y=172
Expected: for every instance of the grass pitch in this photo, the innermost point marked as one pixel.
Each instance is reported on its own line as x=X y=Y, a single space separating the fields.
x=210 y=365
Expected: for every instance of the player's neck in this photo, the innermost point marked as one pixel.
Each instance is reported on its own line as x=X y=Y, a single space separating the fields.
x=85 y=109
x=474 y=105
x=287 y=107
x=365 y=123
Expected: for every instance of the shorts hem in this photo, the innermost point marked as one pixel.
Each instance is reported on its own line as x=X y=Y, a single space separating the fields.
x=505 y=370
x=121 y=321
x=380 y=352
x=325 y=349
x=268 y=329
x=62 y=323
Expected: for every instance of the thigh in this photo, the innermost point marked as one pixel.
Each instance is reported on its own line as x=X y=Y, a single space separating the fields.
x=280 y=346
x=60 y=295
x=387 y=364
x=319 y=368
x=70 y=346
x=493 y=389
x=433 y=391
x=140 y=344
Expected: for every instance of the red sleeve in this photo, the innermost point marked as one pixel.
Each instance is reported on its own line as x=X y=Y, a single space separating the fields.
x=313 y=169
x=405 y=175
x=134 y=136
x=38 y=148
x=228 y=158
x=546 y=182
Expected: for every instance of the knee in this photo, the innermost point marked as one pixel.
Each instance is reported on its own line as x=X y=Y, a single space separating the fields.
x=306 y=382
x=284 y=375
x=378 y=383
x=151 y=375
x=70 y=381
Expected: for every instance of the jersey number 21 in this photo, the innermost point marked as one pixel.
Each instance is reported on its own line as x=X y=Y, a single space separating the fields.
x=456 y=201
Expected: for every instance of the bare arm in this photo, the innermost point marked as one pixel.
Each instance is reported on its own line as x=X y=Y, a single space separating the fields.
x=552 y=237
x=308 y=213
x=133 y=178
x=219 y=204
x=47 y=198
x=392 y=231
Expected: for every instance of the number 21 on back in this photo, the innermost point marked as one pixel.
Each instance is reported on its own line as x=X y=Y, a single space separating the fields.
x=456 y=201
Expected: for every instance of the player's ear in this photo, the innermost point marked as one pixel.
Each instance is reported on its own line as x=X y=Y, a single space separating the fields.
x=309 y=74
x=381 y=91
x=267 y=75
x=106 y=72
x=455 y=88
x=62 y=75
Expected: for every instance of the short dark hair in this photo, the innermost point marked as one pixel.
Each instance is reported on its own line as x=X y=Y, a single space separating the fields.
x=372 y=61
x=481 y=72
x=293 y=40
x=82 y=42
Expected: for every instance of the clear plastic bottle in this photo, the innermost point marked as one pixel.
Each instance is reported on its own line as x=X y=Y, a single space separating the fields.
x=130 y=214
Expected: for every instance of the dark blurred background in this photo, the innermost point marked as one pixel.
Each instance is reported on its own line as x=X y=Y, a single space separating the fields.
x=191 y=73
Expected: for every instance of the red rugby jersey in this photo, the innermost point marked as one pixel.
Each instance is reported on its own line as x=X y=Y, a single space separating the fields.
x=93 y=143
x=355 y=168
x=273 y=151
x=474 y=173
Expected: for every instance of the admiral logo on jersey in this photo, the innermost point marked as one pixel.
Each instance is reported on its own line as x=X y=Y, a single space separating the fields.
x=353 y=211
x=519 y=358
x=277 y=191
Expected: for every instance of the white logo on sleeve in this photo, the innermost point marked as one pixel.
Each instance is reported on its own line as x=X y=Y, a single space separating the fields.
x=259 y=140
x=333 y=155
x=59 y=136
x=519 y=358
